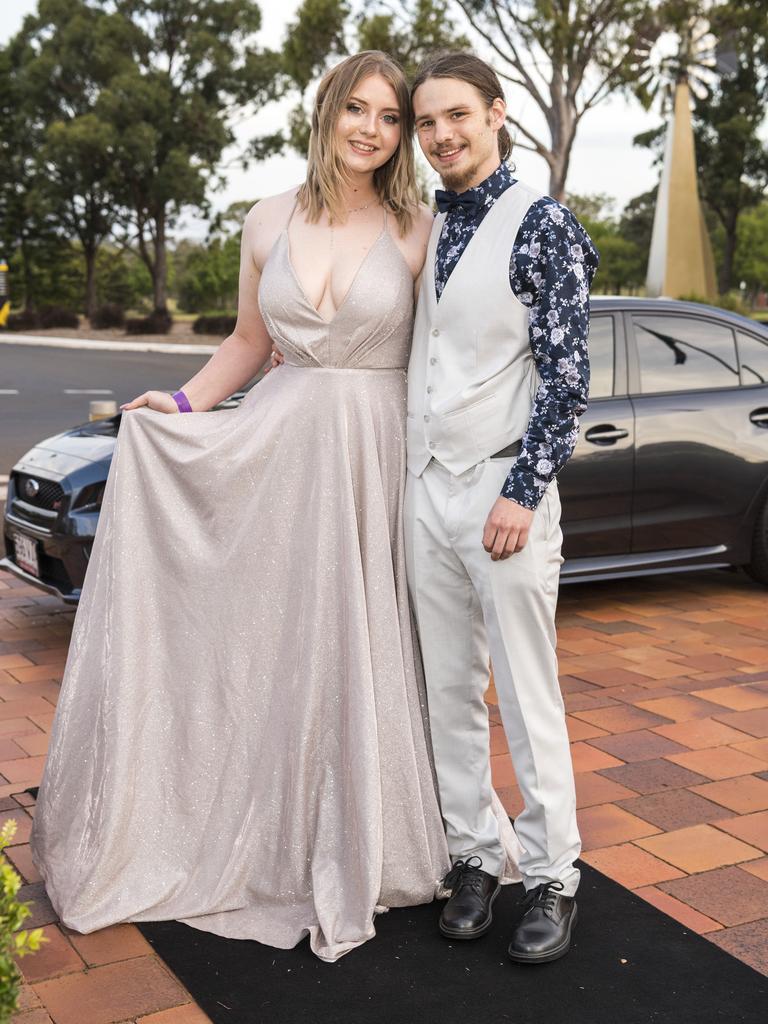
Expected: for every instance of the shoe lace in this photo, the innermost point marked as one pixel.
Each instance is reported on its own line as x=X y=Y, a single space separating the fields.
x=465 y=874
x=543 y=896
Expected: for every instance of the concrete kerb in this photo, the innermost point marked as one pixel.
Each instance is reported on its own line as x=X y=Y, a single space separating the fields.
x=107 y=346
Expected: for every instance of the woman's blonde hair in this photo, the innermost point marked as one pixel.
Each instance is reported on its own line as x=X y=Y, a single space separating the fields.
x=327 y=173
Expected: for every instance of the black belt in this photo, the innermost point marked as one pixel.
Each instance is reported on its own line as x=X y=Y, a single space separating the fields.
x=510 y=451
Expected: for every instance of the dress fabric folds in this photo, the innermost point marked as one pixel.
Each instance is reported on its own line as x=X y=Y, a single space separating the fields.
x=240 y=741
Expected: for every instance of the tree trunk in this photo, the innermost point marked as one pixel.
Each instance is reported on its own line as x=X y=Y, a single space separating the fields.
x=160 y=277
x=29 y=296
x=90 y=281
x=729 y=252
x=562 y=126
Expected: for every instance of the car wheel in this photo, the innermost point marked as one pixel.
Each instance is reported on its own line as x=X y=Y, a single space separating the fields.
x=758 y=566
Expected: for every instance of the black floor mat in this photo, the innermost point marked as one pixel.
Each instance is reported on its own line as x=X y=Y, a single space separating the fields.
x=629 y=964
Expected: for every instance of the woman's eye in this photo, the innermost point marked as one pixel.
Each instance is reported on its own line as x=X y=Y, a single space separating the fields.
x=353 y=108
x=391 y=119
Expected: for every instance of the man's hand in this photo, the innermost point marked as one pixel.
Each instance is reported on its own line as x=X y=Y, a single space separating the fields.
x=506 y=528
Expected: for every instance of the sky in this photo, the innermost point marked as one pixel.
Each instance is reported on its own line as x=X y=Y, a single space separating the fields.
x=603 y=157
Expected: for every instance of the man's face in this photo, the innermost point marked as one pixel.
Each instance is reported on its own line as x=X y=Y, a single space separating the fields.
x=457 y=131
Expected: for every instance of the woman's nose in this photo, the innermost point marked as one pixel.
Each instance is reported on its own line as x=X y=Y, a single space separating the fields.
x=368 y=127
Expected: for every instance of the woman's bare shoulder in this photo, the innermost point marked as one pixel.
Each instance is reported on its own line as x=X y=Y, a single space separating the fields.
x=265 y=220
x=423 y=222
x=414 y=245
x=272 y=208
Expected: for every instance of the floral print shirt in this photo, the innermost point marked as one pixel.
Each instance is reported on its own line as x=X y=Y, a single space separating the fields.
x=552 y=265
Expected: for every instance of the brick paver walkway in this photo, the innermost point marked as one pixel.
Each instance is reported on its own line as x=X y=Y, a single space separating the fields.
x=666 y=687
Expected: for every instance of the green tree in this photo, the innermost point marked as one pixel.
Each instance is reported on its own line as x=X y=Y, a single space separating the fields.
x=324 y=31
x=195 y=66
x=567 y=56
x=75 y=51
x=751 y=257
x=207 y=275
x=732 y=158
x=28 y=236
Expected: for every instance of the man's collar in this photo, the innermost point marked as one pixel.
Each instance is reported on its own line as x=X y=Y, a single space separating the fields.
x=492 y=186
x=479 y=197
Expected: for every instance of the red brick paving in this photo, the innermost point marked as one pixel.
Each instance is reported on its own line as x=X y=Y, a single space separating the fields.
x=666 y=687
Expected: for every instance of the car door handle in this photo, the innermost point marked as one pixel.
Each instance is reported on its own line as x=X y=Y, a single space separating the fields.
x=759 y=417
x=605 y=434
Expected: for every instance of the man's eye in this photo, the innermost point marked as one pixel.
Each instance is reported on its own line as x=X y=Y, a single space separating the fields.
x=425 y=124
x=457 y=114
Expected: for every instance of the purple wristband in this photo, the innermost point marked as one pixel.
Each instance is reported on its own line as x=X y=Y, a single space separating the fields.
x=182 y=401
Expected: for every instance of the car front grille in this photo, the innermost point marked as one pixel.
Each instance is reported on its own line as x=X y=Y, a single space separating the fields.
x=50 y=496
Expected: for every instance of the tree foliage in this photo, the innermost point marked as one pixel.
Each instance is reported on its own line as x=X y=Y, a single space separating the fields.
x=565 y=56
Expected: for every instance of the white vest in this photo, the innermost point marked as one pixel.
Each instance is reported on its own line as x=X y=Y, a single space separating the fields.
x=471 y=376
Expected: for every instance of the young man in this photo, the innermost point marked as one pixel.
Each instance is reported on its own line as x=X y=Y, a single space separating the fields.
x=497 y=378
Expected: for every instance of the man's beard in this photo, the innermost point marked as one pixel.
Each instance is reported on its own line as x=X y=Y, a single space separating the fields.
x=459 y=180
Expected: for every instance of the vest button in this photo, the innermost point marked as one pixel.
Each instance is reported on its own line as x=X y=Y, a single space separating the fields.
x=430 y=389
x=431 y=444
x=435 y=332
x=426 y=419
x=432 y=361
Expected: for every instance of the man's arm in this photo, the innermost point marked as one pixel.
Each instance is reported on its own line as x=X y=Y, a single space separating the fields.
x=552 y=266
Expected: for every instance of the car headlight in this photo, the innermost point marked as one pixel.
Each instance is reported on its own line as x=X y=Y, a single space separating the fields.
x=89 y=499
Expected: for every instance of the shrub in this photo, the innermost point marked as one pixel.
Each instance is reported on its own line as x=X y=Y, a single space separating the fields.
x=108 y=315
x=13 y=943
x=27 y=320
x=217 y=324
x=731 y=301
x=158 y=322
x=58 y=316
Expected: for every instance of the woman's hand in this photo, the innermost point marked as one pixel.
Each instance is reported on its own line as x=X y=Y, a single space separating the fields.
x=277 y=359
x=157 y=400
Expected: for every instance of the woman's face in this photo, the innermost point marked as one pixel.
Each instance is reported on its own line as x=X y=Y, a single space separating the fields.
x=368 y=130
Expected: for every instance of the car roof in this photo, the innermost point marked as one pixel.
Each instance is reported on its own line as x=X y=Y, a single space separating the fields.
x=639 y=304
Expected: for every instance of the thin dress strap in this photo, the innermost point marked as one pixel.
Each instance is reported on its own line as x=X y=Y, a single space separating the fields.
x=293 y=210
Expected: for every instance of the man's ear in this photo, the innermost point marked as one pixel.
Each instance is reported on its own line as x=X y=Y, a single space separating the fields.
x=498 y=113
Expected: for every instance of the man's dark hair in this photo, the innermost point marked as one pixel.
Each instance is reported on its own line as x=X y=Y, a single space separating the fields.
x=466 y=67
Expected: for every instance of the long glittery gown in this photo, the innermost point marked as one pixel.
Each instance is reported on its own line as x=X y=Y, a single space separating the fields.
x=240 y=738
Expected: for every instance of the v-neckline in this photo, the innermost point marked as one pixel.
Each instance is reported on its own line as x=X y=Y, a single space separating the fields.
x=340 y=307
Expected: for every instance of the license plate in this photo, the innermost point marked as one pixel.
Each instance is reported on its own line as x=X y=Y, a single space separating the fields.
x=26 y=553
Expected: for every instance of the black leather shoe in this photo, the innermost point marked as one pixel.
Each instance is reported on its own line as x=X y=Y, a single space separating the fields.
x=544 y=931
x=467 y=914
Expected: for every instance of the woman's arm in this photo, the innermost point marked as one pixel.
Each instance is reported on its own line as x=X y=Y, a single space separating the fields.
x=244 y=352
x=240 y=356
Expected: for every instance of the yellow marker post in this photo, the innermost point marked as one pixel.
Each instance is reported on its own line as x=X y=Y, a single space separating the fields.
x=5 y=302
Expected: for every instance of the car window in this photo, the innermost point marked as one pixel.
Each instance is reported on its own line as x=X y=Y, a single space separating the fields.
x=753 y=358
x=680 y=353
x=600 y=346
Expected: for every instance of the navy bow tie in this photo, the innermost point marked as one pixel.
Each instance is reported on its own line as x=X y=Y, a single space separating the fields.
x=468 y=201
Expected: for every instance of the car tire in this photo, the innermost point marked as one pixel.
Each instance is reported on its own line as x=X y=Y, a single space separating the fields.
x=758 y=566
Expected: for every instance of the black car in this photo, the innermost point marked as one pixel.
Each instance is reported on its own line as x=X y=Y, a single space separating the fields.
x=670 y=472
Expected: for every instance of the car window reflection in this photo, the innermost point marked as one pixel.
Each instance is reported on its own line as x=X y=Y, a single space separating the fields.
x=680 y=354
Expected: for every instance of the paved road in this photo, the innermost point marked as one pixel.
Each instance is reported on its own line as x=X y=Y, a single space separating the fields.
x=40 y=388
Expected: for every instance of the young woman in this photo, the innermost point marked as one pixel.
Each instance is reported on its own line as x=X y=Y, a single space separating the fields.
x=240 y=740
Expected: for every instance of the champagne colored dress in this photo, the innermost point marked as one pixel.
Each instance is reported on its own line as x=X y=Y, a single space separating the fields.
x=240 y=741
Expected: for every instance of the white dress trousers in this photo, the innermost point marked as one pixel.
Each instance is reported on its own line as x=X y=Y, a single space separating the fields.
x=469 y=607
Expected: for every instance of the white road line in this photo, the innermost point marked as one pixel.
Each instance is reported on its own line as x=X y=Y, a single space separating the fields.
x=9 y=391
x=109 y=346
x=3 y=487
x=88 y=391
